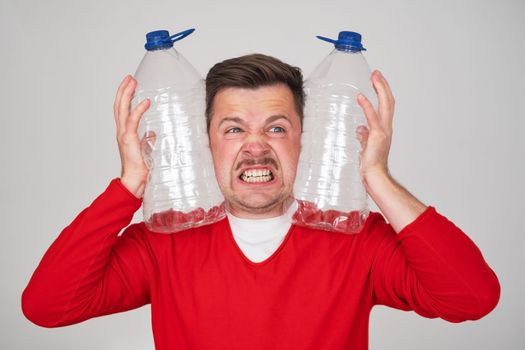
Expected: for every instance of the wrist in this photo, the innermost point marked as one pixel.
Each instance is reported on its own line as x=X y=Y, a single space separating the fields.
x=133 y=185
x=376 y=180
x=398 y=205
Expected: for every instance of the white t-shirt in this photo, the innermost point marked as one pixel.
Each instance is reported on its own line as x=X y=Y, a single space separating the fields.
x=258 y=239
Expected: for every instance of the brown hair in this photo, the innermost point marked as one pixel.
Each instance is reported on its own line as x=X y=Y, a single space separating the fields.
x=253 y=71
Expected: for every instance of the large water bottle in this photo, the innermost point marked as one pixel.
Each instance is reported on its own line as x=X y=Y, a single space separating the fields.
x=328 y=184
x=181 y=190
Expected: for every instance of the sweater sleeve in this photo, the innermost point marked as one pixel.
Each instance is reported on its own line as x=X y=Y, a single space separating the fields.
x=90 y=270
x=433 y=268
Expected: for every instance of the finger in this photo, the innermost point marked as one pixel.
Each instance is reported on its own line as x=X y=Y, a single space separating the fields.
x=362 y=133
x=385 y=98
x=385 y=82
x=149 y=139
x=120 y=90
x=132 y=122
x=147 y=145
x=370 y=113
x=125 y=102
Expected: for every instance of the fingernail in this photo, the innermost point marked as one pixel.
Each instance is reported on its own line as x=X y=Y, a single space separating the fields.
x=360 y=97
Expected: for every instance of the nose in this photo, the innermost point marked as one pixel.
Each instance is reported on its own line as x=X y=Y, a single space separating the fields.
x=255 y=146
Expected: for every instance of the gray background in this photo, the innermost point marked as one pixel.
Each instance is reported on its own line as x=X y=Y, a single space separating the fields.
x=456 y=69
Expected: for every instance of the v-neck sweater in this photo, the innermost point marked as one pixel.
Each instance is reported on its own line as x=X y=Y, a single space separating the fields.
x=258 y=239
x=315 y=291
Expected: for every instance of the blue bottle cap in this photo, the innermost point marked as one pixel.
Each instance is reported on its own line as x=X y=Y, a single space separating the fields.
x=346 y=41
x=161 y=39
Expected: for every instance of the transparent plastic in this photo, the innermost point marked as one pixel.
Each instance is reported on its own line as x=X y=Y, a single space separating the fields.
x=181 y=190
x=328 y=184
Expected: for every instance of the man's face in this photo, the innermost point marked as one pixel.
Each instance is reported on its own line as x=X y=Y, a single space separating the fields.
x=255 y=137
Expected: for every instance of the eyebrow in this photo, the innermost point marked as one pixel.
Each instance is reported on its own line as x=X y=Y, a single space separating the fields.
x=268 y=120
x=273 y=118
x=231 y=119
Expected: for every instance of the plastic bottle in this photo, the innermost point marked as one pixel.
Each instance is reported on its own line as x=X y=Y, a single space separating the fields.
x=328 y=183
x=181 y=190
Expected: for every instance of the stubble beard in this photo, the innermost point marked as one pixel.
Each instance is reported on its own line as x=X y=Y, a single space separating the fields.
x=269 y=202
x=261 y=207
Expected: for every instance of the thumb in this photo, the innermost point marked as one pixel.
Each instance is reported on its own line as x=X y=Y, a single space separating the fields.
x=147 y=145
x=362 y=133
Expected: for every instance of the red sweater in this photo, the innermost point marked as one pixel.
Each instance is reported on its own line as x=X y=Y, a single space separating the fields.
x=315 y=292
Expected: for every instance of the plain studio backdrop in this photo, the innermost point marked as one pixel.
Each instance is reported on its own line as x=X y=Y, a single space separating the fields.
x=456 y=68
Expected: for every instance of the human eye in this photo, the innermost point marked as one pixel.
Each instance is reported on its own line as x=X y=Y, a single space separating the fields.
x=233 y=130
x=277 y=129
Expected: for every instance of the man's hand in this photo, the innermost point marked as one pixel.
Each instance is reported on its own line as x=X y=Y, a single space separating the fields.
x=134 y=170
x=395 y=202
x=376 y=139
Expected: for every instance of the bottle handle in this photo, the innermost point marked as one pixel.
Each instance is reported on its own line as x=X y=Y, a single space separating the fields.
x=181 y=35
x=326 y=39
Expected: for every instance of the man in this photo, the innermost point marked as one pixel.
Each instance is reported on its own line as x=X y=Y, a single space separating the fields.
x=298 y=288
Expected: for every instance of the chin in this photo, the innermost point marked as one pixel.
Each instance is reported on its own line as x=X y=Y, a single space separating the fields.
x=258 y=204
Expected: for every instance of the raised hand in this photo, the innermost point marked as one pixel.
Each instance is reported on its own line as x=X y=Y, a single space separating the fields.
x=134 y=171
x=377 y=138
x=398 y=205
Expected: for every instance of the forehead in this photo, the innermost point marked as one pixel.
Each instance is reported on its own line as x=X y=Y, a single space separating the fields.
x=264 y=99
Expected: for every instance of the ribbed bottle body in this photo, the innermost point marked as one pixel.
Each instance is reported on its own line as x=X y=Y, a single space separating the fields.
x=328 y=183
x=181 y=190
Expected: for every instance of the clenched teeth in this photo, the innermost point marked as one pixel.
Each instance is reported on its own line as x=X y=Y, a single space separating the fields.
x=257 y=172
x=257 y=175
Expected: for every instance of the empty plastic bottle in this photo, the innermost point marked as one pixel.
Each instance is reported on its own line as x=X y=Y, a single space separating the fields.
x=328 y=184
x=181 y=190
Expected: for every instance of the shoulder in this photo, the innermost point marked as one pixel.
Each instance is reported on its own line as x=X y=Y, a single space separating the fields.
x=141 y=231
x=347 y=248
x=374 y=229
x=184 y=244
x=374 y=224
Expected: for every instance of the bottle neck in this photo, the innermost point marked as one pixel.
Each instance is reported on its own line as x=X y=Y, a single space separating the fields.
x=342 y=66
x=347 y=49
x=165 y=68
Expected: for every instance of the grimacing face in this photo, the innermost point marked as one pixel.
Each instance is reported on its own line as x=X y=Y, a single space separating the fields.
x=255 y=140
